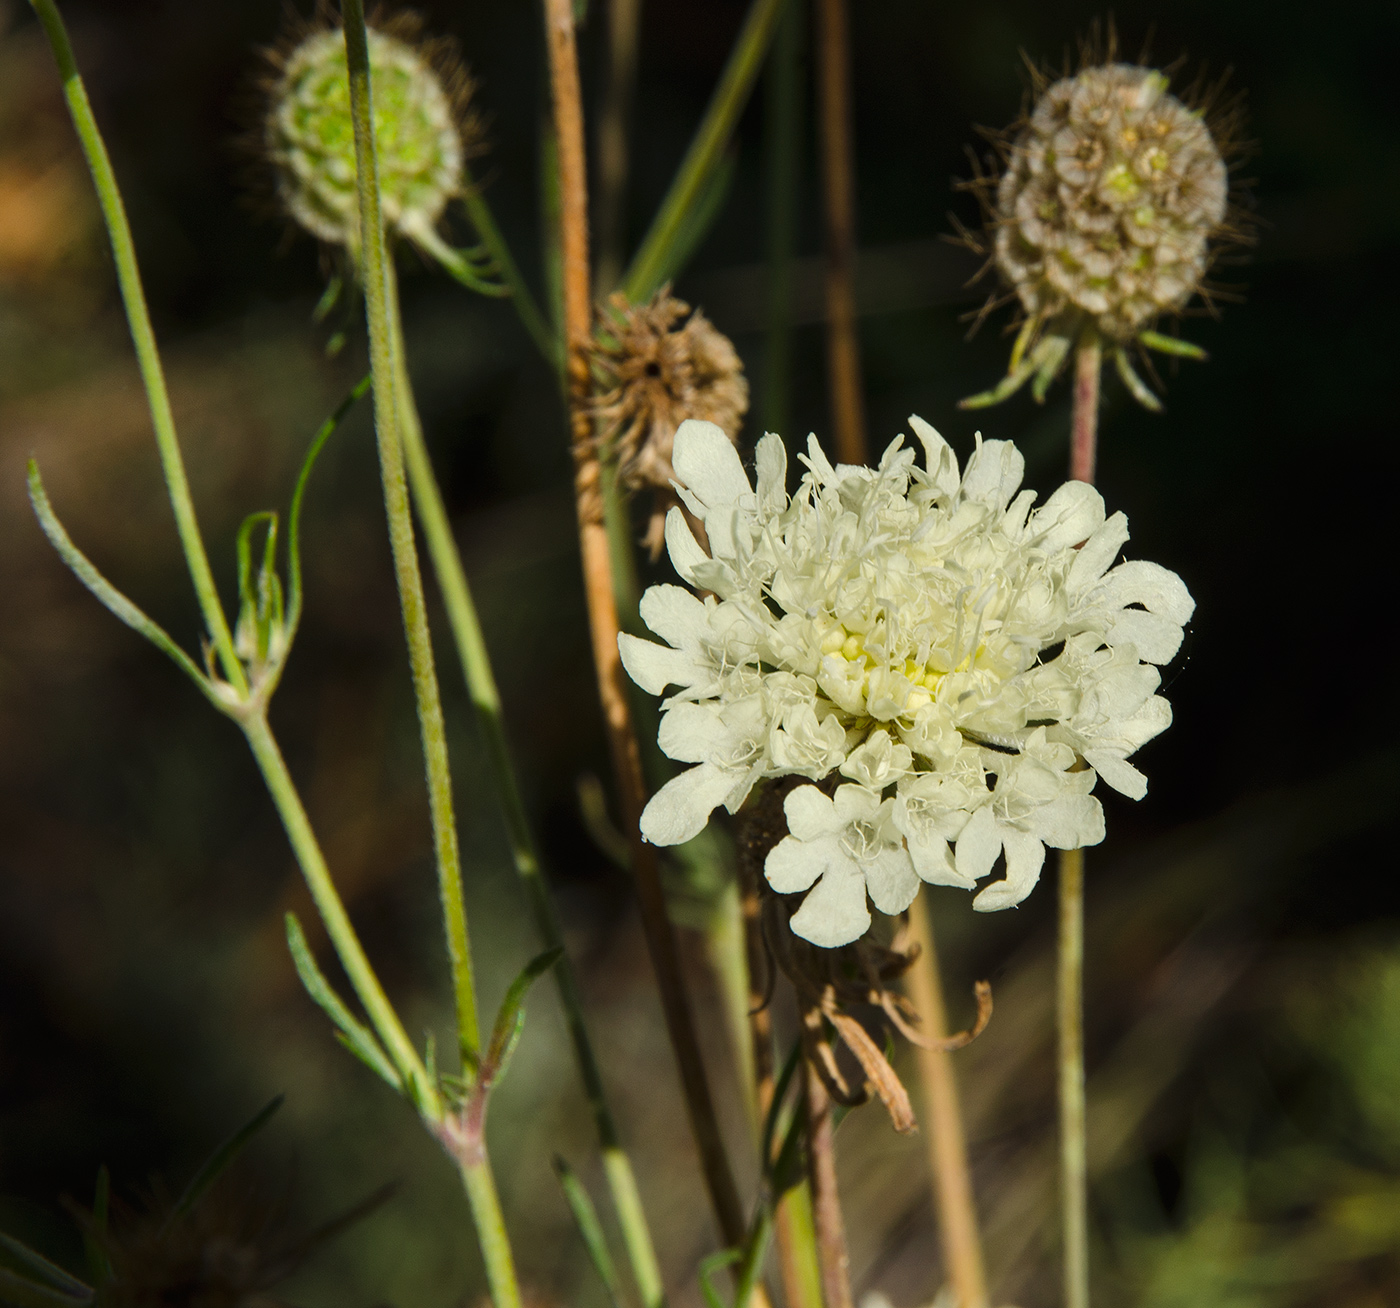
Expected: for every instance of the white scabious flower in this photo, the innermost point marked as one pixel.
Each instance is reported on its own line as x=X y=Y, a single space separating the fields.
x=956 y=666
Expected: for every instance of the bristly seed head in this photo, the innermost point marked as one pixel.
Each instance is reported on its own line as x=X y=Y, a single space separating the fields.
x=422 y=133
x=655 y=365
x=1112 y=204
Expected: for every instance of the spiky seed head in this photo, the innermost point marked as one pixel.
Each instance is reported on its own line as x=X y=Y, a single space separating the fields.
x=655 y=365
x=1111 y=194
x=418 y=135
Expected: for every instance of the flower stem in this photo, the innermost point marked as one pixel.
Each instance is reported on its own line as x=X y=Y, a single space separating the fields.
x=486 y=700
x=1074 y=1197
x=782 y=122
x=143 y=337
x=480 y=1185
x=377 y=275
x=957 y=1212
x=838 y=175
x=337 y=922
x=831 y=1227
x=1073 y=1163
x=603 y=621
x=706 y=149
x=1084 y=424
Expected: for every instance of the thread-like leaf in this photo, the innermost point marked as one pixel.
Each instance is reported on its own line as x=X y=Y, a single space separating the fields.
x=24 y=1293
x=510 y=1019
x=590 y=1228
x=357 y=1038
x=1172 y=345
x=107 y=594
x=220 y=1159
x=39 y=1269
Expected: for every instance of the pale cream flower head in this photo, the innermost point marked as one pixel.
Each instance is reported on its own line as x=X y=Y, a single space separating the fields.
x=956 y=667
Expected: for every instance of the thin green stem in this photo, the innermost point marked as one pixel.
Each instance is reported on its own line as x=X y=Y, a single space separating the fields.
x=1073 y=1158
x=486 y=700
x=783 y=136
x=337 y=922
x=377 y=274
x=143 y=337
x=480 y=1185
x=706 y=149
x=525 y=305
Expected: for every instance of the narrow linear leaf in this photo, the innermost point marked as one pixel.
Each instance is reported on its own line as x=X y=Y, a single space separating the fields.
x=24 y=1293
x=1172 y=345
x=107 y=594
x=355 y=1037
x=1138 y=388
x=698 y=221
x=708 y=1268
x=318 y=443
x=775 y=1108
x=510 y=1020
x=589 y=1227
x=220 y=1159
x=52 y=1275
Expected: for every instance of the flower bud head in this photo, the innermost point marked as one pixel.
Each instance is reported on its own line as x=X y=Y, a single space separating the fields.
x=1111 y=193
x=310 y=139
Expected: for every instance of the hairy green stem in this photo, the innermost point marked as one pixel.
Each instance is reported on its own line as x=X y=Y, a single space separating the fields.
x=486 y=700
x=377 y=273
x=706 y=149
x=143 y=337
x=480 y=1185
x=337 y=922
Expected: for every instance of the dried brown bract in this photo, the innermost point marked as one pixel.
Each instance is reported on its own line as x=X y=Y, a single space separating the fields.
x=654 y=366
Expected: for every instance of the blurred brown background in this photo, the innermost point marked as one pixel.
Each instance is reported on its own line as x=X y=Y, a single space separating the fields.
x=1244 y=958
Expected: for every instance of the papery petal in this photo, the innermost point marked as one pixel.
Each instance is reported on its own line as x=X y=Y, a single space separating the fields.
x=1157 y=589
x=940 y=462
x=978 y=845
x=1025 y=856
x=1117 y=772
x=691 y=733
x=674 y=614
x=1069 y=822
x=707 y=463
x=834 y=913
x=1099 y=552
x=654 y=667
x=681 y=545
x=1071 y=515
x=1155 y=638
x=792 y=864
x=810 y=814
x=891 y=880
x=993 y=473
x=680 y=809
x=770 y=464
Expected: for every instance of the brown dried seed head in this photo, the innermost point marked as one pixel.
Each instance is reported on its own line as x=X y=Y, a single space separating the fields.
x=1111 y=194
x=655 y=365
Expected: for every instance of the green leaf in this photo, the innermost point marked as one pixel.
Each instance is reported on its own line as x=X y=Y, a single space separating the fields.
x=697 y=222
x=358 y=1039
x=318 y=443
x=34 y=1266
x=589 y=1227
x=107 y=594
x=23 y=1293
x=1004 y=389
x=1048 y=358
x=510 y=1020
x=711 y=1265
x=1172 y=345
x=1135 y=384
x=220 y=1159
x=775 y=1108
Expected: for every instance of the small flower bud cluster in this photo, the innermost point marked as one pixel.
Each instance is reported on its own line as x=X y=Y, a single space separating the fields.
x=309 y=137
x=1112 y=192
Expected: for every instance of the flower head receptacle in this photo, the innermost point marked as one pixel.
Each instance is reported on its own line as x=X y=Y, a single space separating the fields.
x=954 y=667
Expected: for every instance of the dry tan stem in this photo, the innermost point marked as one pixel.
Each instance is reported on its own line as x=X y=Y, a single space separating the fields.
x=1084 y=424
x=602 y=615
x=831 y=1227
x=838 y=173
x=957 y=1210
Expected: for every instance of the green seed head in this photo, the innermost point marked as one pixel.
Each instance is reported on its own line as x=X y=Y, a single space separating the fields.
x=310 y=139
x=1111 y=194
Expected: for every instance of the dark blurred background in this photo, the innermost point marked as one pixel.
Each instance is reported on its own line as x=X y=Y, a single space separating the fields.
x=1244 y=920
